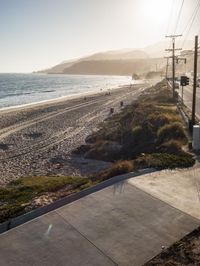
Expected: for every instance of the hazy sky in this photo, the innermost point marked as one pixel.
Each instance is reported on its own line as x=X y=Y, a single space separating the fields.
x=36 y=34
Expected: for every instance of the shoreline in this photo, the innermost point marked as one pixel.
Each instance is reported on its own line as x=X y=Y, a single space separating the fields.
x=63 y=98
x=70 y=96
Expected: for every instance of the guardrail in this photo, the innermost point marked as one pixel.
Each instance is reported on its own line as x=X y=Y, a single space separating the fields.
x=184 y=115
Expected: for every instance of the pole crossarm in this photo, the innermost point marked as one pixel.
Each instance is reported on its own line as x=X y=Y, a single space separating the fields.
x=173 y=36
x=176 y=49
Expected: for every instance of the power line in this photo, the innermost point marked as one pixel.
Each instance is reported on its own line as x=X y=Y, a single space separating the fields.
x=191 y=21
x=190 y=18
x=179 y=15
x=178 y=18
x=170 y=17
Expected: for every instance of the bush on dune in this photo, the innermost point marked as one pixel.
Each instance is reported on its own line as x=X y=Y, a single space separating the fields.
x=18 y=194
x=172 y=131
x=118 y=168
x=104 y=150
x=171 y=147
x=151 y=126
x=164 y=160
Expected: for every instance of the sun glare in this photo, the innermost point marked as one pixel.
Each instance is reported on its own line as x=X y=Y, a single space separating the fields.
x=156 y=10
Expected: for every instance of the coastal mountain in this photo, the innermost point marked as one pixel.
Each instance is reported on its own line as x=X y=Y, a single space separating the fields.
x=115 y=67
x=93 y=64
x=118 y=62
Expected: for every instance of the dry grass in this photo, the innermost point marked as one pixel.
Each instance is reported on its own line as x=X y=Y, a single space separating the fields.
x=118 y=168
x=172 y=131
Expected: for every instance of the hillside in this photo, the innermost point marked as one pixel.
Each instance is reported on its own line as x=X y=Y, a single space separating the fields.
x=115 y=67
x=95 y=61
x=119 y=62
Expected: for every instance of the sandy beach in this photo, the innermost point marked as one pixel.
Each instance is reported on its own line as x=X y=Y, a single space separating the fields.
x=38 y=139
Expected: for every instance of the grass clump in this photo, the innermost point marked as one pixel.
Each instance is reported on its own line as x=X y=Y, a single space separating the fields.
x=118 y=168
x=164 y=160
x=171 y=147
x=40 y=184
x=173 y=131
x=108 y=150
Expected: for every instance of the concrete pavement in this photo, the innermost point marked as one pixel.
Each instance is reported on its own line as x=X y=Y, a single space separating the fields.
x=179 y=188
x=124 y=224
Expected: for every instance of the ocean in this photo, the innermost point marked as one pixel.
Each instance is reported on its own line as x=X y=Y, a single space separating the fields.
x=22 y=89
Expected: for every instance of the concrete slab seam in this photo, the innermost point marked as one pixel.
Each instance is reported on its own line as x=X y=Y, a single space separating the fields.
x=66 y=221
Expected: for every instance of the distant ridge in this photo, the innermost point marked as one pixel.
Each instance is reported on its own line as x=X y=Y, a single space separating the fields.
x=116 y=62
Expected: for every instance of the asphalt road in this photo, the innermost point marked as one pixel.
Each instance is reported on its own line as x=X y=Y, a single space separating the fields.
x=187 y=96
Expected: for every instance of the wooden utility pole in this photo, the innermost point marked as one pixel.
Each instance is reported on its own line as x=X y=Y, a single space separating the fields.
x=173 y=65
x=173 y=59
x=167 y=67
x=195 y=80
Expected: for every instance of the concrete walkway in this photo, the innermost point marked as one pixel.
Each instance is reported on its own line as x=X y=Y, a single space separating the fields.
x=119 y=225
x=180 y=189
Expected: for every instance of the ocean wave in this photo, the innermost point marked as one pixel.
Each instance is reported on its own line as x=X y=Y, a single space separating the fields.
x=47 y=91
x=15 y=94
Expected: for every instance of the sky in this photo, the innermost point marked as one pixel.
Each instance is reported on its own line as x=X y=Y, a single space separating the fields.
x=37 y=34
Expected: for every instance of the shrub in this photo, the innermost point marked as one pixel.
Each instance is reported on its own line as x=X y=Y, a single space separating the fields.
x=172 y=131
x=171 y=147
x=10 y=211
x=162 y=117
x=136 y=131
x=104 y=150
x=164 y=161
x=118 y=168
x=19 y=193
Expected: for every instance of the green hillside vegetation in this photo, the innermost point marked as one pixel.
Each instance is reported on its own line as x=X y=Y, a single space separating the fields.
x=16 y=197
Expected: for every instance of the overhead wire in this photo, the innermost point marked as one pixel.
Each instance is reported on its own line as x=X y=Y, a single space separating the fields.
x=170 y=16
x=190 y=22
x=191 y=17
x=179 y=16
x=177 y=20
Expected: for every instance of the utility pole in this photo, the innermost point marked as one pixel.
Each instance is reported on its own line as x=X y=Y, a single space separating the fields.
x=173 y=59
x=195 y=80
x=167 y=66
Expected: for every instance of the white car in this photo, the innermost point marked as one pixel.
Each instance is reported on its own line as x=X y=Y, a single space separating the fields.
x=176 y=85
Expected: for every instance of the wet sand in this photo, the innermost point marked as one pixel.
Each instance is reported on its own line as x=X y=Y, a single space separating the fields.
x=39 y=139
